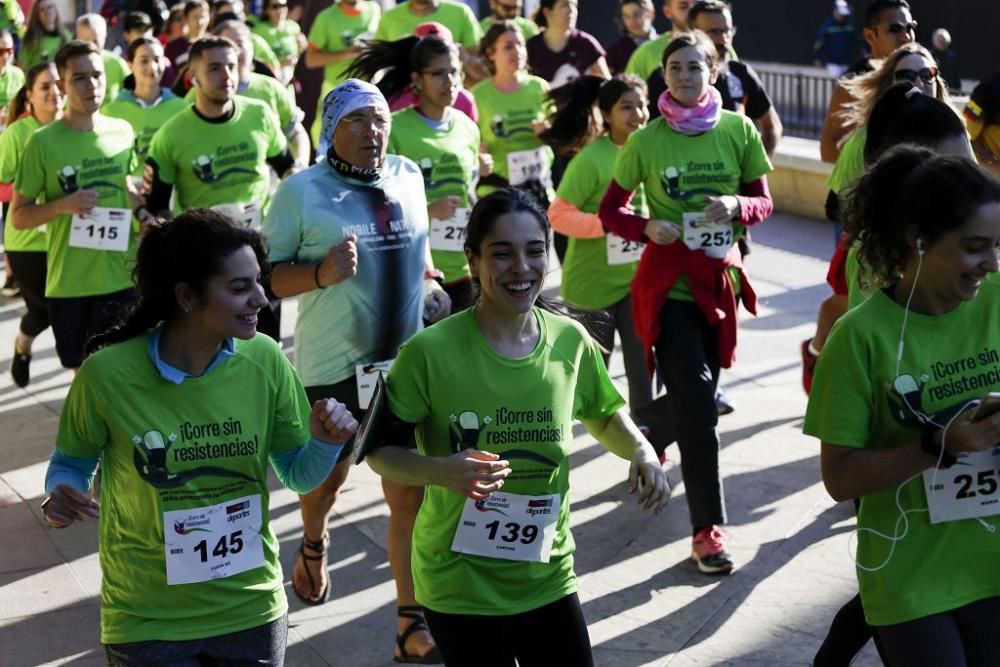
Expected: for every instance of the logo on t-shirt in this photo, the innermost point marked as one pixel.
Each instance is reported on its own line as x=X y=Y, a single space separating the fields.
x=566 y=73
x=92 y=174
x=957 y=379
x=153 y=453
x=677 y=181
x=468 y=430
x=448 y=168
x=516 y=122
x=204 y=166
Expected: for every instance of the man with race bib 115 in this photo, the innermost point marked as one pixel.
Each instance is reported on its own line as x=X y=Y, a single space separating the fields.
x=73 y=180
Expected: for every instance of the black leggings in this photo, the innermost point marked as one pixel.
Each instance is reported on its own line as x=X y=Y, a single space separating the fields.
x=29 y=270
x=551 y=636
x=963 y=637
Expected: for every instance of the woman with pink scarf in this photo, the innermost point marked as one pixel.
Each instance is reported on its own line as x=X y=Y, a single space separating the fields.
x=703 y=170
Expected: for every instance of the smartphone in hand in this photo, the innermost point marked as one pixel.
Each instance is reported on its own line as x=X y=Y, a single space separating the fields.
x=989 y=405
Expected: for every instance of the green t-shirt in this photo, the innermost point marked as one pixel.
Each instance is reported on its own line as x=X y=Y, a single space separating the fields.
x=145 y=120
x=648 y=57
x=506 y=119
x=850 y=163
x=268 y=90
x=166 y=447
x=681 y=171
x=215 y=163
x=262 y=52
x=283 y=41
x=59 y=160
x=115 y=71
x=528 y=27
x=334 y=31
x=400 y=22
x=12 y=143
x=859 y=401
x=449 y=161
x=11 y=81
x=12 y=18
x=451 y=383
x=44 y=51
x=588 y=280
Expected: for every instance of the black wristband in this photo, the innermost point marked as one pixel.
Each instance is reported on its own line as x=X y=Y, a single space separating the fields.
x=316 y=277
x=929 y=445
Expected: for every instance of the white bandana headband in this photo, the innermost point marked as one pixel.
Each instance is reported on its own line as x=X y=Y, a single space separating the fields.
x=349 y=96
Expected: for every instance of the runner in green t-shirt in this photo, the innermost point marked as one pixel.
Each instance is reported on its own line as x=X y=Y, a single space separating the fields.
x=73 y=178
x=11 y=76
x=402 y=20
x=93 y=28
x=187 y=550
x=494 y=438
x=509 y=11
x=441 y=140
x=11 y=17
x=43 y=35
x=598 y=267
x=145 y=104
x=704 y=171
x=268 y=90
x=335 y=40
x=891 y=402
x=37 y=104
x=512 y=111
x=218 y=152
x=283 y=35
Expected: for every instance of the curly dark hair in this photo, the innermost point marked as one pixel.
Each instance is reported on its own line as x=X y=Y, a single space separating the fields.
x=911 y=189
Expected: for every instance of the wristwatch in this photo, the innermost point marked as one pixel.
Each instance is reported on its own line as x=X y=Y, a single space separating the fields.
x=929 y=444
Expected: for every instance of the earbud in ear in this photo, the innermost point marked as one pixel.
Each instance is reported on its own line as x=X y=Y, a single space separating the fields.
x=920 y=246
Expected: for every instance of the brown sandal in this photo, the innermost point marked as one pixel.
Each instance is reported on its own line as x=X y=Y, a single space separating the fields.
x=416 y=614
x=319 y=547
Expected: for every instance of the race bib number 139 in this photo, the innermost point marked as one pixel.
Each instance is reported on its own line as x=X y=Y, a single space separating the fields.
x=508 y=526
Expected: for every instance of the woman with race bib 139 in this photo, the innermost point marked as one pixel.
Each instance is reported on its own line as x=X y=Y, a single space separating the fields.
x=492 y=393
x=704 y=170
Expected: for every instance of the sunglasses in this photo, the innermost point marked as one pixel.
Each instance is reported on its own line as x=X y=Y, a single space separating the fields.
x=926 y=74
x=896 y=28
x=5 y=51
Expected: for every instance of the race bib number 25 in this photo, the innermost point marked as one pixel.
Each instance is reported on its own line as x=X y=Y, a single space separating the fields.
x=968 y=490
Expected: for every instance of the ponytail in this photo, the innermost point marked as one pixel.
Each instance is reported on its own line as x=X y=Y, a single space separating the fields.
x=573 y=121
x=539 y=17
x=911 y=189
x=393 y=57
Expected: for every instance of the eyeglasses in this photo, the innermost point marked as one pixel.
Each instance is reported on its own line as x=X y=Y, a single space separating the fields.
x=896 y=28
x=442 y=74
x=278 y=5
x=926 y=74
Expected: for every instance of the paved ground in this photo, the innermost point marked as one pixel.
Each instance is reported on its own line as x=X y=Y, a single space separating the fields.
x=643 y=601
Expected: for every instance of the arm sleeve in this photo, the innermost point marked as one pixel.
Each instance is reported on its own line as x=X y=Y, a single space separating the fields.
x=74 y=471
x=159 y=190
x=301 y=470
x=617 y=216
x=281 y=162
x=755 y=200
x=567 y=219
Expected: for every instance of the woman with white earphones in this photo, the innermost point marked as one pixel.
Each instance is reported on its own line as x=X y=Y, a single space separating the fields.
x=893 y=403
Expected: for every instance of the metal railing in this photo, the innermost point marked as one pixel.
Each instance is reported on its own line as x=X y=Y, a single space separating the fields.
x=800 y=97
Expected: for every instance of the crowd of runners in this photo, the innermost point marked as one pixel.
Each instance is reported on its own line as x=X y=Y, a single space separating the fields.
x=162 y=201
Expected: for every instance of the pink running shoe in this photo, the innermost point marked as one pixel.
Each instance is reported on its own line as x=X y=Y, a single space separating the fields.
x=709 y=552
